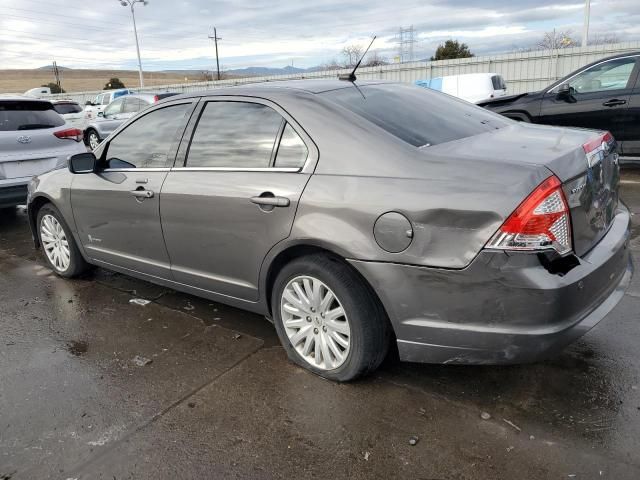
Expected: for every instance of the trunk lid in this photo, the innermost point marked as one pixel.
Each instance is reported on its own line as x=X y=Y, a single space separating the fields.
x=590 y=184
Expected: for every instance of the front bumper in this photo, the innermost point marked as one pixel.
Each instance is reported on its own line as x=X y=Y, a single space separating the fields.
x=504 y=307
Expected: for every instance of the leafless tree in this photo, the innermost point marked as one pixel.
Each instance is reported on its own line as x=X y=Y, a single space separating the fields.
x=554 y=40
x=351 y=54
x=374 y=59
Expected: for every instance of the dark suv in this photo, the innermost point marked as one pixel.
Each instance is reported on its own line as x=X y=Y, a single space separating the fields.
x=603 y=95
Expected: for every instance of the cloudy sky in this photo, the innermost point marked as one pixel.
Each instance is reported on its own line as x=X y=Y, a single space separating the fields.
x=173 y=33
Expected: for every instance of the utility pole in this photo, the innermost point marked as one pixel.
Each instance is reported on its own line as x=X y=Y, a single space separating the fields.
x=56 y=73
x=215 y=39
x=585 y=28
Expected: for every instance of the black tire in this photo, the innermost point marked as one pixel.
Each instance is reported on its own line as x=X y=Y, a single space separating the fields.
x=77 y=263
x=368 y=323
x=88 y=135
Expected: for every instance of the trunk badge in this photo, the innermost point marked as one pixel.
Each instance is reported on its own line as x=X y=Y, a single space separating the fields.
x=24 y=139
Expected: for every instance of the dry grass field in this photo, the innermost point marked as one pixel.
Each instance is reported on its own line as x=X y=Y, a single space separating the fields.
x=19 y=81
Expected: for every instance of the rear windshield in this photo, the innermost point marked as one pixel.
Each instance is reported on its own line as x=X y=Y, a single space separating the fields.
x=419 y=116
x=498 y=82
x=28 y=115
x=64 y=108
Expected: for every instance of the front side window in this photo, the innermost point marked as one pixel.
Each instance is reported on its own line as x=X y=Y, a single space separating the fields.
x=234 y=135
x=146 y=142
x=612 y=75
x=292 y=151
x=106 y=98
x=113 y=108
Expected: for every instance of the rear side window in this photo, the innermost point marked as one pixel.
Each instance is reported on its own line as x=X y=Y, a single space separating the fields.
x=64 y=108
x=28 y=115
x=234 y=135
x=132 y=105
x=498 y=82
x=292 y=151
x=146 y=142
x=418 y=116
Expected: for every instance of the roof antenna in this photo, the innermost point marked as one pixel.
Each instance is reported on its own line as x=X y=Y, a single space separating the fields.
x=351 y=77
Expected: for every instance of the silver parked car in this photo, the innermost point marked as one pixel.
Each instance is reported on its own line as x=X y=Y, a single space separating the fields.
x=33 y=139
x=354 y=215
x=118 y=112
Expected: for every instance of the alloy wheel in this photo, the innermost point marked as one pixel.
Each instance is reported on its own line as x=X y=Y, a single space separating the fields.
x=315 y=322
x=54 y=242
x=94 y=141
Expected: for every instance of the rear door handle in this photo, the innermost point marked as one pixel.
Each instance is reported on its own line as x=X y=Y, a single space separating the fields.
x=142 y=193
x=271 y=201
x=614 y=103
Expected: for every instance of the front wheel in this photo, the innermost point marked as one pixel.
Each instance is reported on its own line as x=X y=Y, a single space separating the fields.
x=328 y=320
x=59 y=247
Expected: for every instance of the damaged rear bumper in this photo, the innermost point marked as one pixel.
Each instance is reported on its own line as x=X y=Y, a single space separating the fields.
x=504 y=307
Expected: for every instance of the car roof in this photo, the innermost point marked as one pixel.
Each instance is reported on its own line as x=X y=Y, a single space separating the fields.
x=310 y=86
x=14 y=97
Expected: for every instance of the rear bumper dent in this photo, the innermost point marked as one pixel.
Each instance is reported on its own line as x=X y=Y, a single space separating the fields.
x=503 y=308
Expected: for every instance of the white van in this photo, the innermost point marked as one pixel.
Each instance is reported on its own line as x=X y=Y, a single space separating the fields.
x=472 y=87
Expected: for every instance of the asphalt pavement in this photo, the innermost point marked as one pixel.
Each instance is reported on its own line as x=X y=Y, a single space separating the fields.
x=93 y=386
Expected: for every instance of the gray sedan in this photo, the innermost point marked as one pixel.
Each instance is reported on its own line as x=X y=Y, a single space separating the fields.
x=355 y=216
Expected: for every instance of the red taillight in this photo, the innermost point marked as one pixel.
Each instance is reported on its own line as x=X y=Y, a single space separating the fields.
x=70 y=133
x=540 y=222
x=155 y=98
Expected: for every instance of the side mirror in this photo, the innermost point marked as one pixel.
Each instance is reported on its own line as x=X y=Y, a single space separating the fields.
x=564 y=91
x=83 y=163
x=101 y=114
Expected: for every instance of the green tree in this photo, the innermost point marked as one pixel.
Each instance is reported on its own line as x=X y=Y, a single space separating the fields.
x=54 y=87
x=452 y=49
x=113 y=84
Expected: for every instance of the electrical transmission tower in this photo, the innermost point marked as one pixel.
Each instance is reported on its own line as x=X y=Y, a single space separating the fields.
x=406 y=40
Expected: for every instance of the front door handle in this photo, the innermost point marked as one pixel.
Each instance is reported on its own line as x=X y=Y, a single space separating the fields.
x=142 y=193
x=614 y=103
x=271 y=201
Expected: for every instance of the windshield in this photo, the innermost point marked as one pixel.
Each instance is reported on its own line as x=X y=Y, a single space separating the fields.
x=64 y=108
x=419 y=116
x=28 y=115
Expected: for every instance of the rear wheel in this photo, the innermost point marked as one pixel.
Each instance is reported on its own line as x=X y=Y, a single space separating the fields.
x=59 y=247
x=93 y=139
x=328 y=320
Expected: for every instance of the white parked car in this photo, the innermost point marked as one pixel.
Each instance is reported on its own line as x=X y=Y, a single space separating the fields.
x=71 y=111
x=38 y=92
x=34 y=139
x=472 y=87
x=100 y=102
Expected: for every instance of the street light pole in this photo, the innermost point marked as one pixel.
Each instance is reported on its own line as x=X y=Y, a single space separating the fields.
x=585 y=27
x=132 y=3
